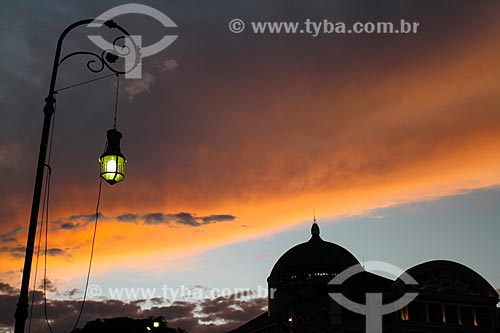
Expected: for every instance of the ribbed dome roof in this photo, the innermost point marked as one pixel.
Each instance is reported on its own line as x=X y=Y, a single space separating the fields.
x=313 y=256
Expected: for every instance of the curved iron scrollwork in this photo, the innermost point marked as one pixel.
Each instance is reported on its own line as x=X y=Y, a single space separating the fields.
x=128 y=50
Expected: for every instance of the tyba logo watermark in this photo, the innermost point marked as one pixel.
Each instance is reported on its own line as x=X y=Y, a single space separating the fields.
x=374 y=309
x=135 y=50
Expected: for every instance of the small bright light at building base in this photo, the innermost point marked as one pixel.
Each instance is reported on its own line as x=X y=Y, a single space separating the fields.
x=156 y=324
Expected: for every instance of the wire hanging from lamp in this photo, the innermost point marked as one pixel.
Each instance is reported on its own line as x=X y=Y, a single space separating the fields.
x=114 y=148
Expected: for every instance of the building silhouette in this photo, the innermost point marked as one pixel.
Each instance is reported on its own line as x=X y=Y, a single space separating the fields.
x=451 y=297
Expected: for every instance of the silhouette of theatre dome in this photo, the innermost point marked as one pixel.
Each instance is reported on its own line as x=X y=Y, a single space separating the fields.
x=304 y=270
x=451 y=296
x=313 y=256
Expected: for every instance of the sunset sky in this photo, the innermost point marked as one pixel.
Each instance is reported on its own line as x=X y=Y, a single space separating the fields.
x=233 y=140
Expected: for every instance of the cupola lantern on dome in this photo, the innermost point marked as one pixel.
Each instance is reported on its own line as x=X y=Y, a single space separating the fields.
x=315 y=230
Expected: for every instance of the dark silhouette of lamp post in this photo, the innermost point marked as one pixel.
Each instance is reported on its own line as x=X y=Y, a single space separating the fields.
x=112 y=161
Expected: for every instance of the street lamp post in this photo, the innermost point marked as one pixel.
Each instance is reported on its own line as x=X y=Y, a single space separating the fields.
x=103 y=60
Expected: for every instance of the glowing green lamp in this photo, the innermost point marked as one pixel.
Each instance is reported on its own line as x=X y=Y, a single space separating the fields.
x=112 y=160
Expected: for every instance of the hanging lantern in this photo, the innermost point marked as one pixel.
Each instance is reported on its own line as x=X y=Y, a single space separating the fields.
x=112 y=160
